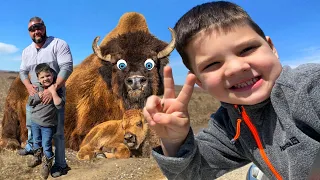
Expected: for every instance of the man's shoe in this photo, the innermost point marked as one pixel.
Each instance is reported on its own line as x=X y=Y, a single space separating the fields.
x=57 y=171
x=24 y=152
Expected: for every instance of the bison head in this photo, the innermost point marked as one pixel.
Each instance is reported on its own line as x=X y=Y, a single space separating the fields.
x=135 y=128
x=132 y=65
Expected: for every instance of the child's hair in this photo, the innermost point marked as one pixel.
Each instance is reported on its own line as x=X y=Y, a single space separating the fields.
x=43 y=67
x=221 y=16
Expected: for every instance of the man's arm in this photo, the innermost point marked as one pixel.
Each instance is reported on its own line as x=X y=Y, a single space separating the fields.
x=24 y=75
x=65 y=62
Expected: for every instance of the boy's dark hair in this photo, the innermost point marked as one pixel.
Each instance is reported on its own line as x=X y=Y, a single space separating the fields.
x=43 y=67
x=221 y=15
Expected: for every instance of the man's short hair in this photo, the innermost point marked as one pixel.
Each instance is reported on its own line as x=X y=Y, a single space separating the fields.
x=36 y=18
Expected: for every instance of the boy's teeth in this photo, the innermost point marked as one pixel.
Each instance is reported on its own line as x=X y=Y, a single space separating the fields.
x=247 y=83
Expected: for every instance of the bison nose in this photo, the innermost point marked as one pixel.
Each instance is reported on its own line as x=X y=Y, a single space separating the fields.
x=136 y=82
x=130 y=139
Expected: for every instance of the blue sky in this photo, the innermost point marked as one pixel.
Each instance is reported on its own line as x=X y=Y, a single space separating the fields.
x=293 y=25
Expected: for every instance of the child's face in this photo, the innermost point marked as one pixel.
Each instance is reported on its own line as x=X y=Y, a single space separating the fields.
x=238 y=67
x=45 y=78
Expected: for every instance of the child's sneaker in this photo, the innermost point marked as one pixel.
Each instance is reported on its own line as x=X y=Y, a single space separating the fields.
x=24 y=152
x=36 y=160
x=46 y=167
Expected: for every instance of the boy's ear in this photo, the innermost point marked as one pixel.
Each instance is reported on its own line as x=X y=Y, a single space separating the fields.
x=274 y=50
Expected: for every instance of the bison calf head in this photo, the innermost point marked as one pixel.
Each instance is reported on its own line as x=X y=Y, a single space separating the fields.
x=135 y=128
x=132 y=65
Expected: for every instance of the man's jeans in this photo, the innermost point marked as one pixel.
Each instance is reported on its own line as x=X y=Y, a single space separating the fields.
x=29 y=145
x=58 y=138
x=42 y=137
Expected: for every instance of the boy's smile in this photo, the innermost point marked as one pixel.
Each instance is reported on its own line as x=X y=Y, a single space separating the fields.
x=237 y=67
x=246 y=85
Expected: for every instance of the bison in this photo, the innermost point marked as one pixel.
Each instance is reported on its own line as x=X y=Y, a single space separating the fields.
x=115 y=138
x=121 y=73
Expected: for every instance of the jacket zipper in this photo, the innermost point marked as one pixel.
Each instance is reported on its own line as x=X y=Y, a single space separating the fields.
x=256 y=137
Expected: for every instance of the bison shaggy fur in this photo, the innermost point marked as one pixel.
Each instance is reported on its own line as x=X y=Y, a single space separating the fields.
x=117 y=77
x=115 y=138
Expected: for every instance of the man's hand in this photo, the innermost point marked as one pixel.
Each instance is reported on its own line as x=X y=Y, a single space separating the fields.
x=40 y=94
x=31 y=89
x=46 y=97
x=169 y=116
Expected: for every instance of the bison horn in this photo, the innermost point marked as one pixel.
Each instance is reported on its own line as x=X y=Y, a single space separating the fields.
x=97 y=50
x=170 y=46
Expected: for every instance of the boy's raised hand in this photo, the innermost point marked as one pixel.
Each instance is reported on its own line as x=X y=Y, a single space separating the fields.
x=168 y=116
x=52 y=89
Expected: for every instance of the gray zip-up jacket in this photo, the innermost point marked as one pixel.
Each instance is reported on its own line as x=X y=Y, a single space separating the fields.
x=280 y=135
x=45 y=114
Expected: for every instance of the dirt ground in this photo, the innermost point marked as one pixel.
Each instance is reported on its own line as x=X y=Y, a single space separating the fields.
x=15 y=167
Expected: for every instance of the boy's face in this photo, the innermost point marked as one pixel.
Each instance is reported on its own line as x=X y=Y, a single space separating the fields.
x=45 y=78
x=238 y=67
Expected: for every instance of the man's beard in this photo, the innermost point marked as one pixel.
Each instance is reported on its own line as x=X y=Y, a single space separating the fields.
x=41 y=39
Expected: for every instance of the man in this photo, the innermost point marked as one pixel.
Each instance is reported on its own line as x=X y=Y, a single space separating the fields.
x=56 y=53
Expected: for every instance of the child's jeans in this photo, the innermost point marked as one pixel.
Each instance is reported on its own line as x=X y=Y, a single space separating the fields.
x=42 y=137
x=60 y=156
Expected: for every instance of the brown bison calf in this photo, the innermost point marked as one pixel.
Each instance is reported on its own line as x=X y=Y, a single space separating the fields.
x=115 y=138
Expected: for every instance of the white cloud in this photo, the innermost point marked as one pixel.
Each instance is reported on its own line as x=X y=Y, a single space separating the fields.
x=312 y=49
x=10 y=58
x=15 y=58
x=7 y=48
x=309 y=55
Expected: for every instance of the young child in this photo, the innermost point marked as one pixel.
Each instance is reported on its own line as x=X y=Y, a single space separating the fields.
x=44 y=118
x=269 y=114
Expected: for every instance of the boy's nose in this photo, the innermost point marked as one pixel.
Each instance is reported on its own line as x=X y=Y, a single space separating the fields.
x=235 y=67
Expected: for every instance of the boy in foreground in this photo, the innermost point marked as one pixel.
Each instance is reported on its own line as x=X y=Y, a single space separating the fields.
x=269 y=114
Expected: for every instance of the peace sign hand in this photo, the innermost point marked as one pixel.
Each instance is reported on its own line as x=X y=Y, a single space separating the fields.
x=168 y=116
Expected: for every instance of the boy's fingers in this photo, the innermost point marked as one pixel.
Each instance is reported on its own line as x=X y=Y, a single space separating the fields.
x=168 y=120
x=168 y=83
x=153 y=105
x=187 y=89
x=148 y=117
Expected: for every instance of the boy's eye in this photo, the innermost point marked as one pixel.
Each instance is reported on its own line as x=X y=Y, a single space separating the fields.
x=209 y=65
x=248 y=50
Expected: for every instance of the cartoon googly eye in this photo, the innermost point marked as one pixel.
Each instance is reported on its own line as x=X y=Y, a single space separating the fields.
x=149 y=64
x=121 y=64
